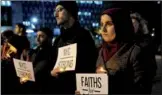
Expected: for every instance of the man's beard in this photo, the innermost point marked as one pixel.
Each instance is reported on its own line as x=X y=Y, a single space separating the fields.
x=44 y=43
x=63 y=23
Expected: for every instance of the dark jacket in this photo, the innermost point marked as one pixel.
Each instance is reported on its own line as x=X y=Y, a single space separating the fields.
x=21 y=43
x=41 y=59
x=86 y=57
x=10 y=78
x=130 y=70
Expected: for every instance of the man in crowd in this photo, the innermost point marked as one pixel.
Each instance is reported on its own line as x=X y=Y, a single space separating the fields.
x=66 y=14
x=41 y=59
x=23 y=42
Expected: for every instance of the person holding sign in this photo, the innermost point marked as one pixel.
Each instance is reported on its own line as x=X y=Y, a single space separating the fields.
x=127 y=64
x=12 y=47
x=6 y=62
x=92 y=84
x=74 y=50
x=41 y=59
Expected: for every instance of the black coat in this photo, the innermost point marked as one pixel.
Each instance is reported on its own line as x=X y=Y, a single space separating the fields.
x=41 y=59
x=130 y=70
x=86 y=57
x=10 y=80
x=21 y=43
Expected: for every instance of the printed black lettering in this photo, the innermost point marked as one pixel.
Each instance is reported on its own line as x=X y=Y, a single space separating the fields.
x=86 y=82
x=90 y=81
x=22 y=65
x=62 y=64
x=99 y=82
x=95 y=82
x=67 y=51
x=65 y=64
x=71 y=63
x=82 y=81
x=90 y=91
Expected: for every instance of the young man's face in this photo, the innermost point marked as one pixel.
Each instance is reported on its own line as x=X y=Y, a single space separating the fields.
x=41 y=38
x=61 y=15
x=17 y=29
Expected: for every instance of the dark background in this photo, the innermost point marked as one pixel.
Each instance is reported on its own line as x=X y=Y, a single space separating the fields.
x=150 y=10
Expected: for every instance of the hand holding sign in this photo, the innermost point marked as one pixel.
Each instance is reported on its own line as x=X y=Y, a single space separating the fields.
x=77 y=92
x=56 y=71
x=24 y=80
x=101 y=70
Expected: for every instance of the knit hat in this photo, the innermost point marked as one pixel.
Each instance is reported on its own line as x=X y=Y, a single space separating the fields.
x=71 y=7
x=47 y=31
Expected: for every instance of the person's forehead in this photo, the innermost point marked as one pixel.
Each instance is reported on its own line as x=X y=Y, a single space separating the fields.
x=105 y=18
x=40 y=33
x=59 y=6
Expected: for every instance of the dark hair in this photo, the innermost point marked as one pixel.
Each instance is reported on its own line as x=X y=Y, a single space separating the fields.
x=7 y=34
x=20 y=25
x=142 y=23
x=47 y=31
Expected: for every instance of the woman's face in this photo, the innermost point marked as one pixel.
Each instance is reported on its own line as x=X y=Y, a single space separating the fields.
x=107 y=28
x=135 y=25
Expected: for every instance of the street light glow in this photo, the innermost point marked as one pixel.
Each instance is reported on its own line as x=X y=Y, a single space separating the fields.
x=9 y=3
x=158 y=2
x=34 y=20
x=152 y=34
x=3 y=3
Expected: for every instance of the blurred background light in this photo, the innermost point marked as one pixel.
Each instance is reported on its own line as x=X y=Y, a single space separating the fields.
x=8 y=3
x=79 y=13
x=158 y=2
x=32 y=26
x=34 y=19
x=29 y=31
x=3 y=3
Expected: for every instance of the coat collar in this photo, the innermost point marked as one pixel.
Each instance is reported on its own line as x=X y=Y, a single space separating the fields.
x=119 y=60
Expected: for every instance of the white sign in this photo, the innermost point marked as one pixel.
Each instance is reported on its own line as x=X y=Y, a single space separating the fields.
x=24 y=69
x=92 y=83
x=66 y=59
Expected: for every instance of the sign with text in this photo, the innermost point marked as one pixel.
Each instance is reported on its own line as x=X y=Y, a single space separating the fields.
x=24 y=69
x=66 y=59
x=92 y=83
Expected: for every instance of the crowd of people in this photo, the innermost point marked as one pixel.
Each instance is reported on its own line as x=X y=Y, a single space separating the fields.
x=126 y=55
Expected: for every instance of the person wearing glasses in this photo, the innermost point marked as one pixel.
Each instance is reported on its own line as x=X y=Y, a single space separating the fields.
x=66 y=14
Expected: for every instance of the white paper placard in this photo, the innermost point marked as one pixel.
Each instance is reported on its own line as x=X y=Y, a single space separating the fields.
x=92 y=83
x=66 y=59
x=24 y=69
